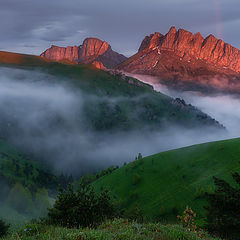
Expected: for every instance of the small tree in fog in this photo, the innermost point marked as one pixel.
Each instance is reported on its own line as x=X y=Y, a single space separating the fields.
x=20 y=198
x=139 y=156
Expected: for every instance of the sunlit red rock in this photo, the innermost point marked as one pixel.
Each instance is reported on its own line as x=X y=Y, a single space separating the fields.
x=99 y=65
x=151 y=41
x=181 y=56
x=91 y=50
x=194 y=46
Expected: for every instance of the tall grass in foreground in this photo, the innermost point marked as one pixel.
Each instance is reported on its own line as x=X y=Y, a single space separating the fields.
x=118 y=229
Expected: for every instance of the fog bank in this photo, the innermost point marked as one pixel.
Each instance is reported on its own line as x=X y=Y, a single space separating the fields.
x=44 y=116
x=222 y=107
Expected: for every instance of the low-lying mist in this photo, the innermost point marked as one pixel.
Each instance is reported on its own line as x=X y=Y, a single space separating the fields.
x=45 y=118
x=222 y=107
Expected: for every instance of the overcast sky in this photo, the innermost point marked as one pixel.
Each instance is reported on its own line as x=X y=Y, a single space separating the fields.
x=31 y=26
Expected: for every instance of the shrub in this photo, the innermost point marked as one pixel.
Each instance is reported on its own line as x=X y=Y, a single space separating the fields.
x=188 y=219
x=224 y=208
x=80 y=208
x=3 y=228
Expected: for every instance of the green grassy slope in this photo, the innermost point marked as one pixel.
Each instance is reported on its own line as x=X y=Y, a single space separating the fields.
x=123 y=103
x=17 y=168
x=22 y=178
x=162 y=185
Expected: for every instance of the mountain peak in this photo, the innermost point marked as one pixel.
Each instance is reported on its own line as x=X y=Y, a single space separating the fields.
x=172 y=30
x=187 y=57
x=93 y=47
x=92 y=51
x=151 y=41
x=189 y=46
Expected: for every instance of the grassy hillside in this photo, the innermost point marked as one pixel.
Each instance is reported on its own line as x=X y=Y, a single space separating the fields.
x=17 y=168
x=162 y=185
x=117 y=229
x=24 y=186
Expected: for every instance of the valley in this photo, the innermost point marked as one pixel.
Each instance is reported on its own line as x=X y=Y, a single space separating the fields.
x=96 y=144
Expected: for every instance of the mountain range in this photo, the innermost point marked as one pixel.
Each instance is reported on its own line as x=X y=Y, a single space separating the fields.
x=187 y=61
x=179 y=59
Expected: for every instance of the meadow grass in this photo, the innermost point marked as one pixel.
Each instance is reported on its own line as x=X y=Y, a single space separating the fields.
x=118 y=229
x=162 y=185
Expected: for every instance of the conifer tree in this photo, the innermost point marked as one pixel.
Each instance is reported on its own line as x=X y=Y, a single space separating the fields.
x=223 y=216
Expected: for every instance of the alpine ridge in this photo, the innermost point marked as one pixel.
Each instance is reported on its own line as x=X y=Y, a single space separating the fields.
x=92 y=50
x=182 y=56
x=188 y=45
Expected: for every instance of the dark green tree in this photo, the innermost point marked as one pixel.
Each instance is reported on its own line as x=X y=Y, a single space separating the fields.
x=80 y=208
x=3 y=228
x=223 y=217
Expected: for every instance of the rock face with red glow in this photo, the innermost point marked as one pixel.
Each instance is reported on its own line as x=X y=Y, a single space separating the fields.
x=181 y=56
x=92 y=50
x=99 y=65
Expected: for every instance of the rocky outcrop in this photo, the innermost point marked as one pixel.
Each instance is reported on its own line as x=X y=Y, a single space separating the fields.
x=187 y=61
x=188 y=45
x=92 y=50
x=98 y=65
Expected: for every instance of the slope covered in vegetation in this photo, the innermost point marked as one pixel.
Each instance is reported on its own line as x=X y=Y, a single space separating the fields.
x=25 y=186
x=162 y=185
x=123 y=102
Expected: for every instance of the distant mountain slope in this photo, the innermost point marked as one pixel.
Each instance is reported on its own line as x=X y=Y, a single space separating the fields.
x=162 y=185
x=141 y=105
x=17 y=168
x=187 y=61
x=18 y=59
x=25 y=186
x=90 y=109
x=92 y=50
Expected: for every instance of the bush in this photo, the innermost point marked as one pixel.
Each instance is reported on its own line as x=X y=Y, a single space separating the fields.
x=224 y=209
x=80 y=208
x=3 y=228
x=188 y=219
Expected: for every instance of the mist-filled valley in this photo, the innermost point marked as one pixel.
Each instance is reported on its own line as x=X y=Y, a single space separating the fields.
x=119 y=120
x=221 y=106
x=62 y=121
x=45 y=117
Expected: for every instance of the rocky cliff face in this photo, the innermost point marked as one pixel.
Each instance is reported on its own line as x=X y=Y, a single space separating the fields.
x=92 y=50
x=188 y=46
x=181 y=56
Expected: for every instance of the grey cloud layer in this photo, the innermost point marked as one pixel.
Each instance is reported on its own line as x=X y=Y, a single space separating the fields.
x=44 y=117
x=122 y=23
